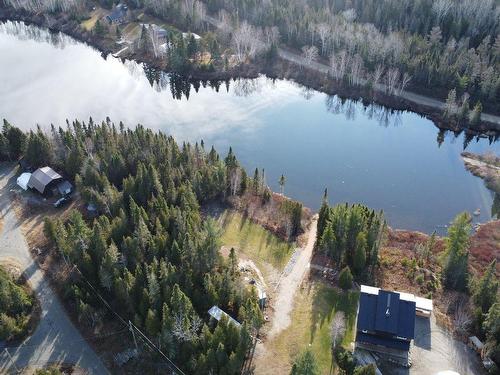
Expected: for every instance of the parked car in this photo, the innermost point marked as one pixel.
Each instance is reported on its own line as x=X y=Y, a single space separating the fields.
x=62 y=201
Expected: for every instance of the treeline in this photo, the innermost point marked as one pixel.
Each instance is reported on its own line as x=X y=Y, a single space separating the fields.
x=149 y=252
x=351 y=236
x=445 y=44
x=484 y=319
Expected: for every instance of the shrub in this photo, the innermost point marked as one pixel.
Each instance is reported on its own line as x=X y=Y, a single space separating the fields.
x=420 y=279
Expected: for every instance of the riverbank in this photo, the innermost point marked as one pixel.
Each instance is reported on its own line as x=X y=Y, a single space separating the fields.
x=285 y=66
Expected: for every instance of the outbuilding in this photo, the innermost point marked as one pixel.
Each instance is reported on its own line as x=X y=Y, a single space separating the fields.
x=23 y=179
x=44 y=180
x=217 y=313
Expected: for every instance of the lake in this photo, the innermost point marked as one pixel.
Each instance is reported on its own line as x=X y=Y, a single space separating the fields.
x=387 y=160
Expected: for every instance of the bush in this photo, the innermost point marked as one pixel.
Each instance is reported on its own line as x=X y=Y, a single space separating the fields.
x=420 y=279
x=344 y=359
x=345 y=278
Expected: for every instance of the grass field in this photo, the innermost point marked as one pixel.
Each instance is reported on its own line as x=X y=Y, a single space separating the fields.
x=254 y=241
x=94 y=16
x=315 y=307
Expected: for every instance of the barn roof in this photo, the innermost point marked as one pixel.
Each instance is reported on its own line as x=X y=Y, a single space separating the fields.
x=42 y=177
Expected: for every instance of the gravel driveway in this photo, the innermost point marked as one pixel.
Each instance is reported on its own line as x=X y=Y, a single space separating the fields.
x=55 y=339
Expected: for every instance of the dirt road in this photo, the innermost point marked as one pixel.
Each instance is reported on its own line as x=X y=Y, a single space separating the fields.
x=55 y=339
x=289 y=284
x=296 y=58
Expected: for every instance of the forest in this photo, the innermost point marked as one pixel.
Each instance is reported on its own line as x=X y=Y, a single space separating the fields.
x=351 y=235
x=16 y=305
x=150 y=252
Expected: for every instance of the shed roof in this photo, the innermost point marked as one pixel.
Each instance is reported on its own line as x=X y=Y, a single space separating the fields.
x=23 y=180
x=64 y=187
x=217 y=313
x=476 y=342
x=42 y=177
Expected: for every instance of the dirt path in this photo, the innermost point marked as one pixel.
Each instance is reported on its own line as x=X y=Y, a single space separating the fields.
x=55 y=339
x=289 y=284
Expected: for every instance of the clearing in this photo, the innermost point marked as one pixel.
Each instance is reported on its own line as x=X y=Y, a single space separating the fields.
x=250 y=240
x=314 y=307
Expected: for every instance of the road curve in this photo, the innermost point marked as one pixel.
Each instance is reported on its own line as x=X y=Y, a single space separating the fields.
x=55 y=339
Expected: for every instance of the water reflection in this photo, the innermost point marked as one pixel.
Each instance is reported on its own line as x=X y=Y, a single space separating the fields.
x=361 y=151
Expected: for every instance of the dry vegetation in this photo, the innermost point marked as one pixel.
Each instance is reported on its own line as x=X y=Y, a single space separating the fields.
x=485 y=246
x=270 y=215
x=402 y=270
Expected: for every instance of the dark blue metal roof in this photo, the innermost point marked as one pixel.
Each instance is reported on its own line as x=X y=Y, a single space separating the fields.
x=383 y=341
x=386 y=314
x=366 y=314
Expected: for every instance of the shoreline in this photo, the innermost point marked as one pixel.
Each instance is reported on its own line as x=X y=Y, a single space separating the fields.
x=277 y=69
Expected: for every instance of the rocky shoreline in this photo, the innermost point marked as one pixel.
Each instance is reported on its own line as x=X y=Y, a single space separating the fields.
x=276 y=69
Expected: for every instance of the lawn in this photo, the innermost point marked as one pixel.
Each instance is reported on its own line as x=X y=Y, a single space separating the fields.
x=253 y=241
x=314 y=309
x=94 y=16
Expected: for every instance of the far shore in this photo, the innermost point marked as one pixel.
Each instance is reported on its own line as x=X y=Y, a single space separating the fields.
x=279 y=68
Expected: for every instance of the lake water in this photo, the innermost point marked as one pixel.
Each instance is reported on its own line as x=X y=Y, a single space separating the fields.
x=390 y=161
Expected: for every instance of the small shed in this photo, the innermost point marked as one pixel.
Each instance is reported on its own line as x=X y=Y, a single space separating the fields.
x=23 y=179
x=476 y=344
x=43 y=179
x=423 y=307
x=217 y=313
x=188 y=36
x=64 y=188
x=261 y=294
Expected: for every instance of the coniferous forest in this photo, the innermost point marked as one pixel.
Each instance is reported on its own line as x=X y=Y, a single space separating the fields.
x=149 y=252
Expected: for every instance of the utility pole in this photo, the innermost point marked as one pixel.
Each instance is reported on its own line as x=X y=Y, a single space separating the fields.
x=13 y=362
x=133 y=334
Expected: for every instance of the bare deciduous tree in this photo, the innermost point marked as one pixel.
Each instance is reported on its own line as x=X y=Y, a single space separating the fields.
x=310 y=54
x=338 y=328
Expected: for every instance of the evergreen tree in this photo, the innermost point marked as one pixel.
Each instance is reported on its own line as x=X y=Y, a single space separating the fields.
x=485 y=290
x=305 y=364
x=345 y=279
x=455 y=270
x=359 y=262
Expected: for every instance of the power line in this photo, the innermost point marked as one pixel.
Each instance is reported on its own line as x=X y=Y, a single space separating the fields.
x=130 y=324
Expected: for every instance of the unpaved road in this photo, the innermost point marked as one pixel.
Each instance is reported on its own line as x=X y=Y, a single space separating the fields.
x=289 y=284
x=55 y=339
x=295 y=58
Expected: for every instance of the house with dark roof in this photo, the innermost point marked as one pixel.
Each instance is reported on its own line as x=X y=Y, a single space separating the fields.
x=118 y=14
x=386 y=323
